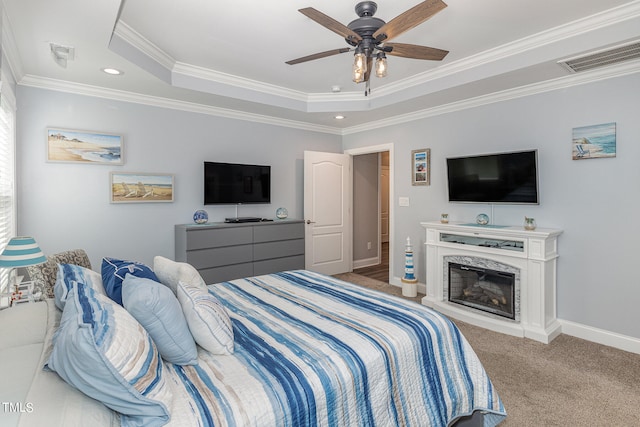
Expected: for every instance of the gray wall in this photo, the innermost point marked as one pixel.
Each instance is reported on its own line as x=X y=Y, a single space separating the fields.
x=66 y=205
x=594 y=201
x=365 y=207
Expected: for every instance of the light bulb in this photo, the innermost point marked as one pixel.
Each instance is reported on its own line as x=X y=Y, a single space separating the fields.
x=381 y=65
x=359 y=67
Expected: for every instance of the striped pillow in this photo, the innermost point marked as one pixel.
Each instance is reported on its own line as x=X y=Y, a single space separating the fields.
x=207 y=318
x=101 y=350
x=69 y=273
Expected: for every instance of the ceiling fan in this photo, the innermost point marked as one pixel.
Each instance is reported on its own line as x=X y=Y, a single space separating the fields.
x=370 y=35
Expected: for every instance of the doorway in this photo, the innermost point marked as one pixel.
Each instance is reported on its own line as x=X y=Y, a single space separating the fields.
x=372 y=212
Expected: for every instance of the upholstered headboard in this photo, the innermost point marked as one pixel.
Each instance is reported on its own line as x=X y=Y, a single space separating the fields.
x=44 y=275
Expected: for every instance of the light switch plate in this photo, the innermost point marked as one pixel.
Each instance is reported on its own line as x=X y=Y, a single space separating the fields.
x=403 y=201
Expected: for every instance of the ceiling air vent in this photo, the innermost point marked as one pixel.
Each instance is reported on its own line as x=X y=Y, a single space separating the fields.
x=602 y=58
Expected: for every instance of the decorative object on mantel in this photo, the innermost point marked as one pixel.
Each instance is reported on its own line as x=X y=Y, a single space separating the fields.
x=444 y=218
x=21 y=252
x=76 y=146
x=127 y=187
x=482 y=219
x=282 y=213
x=200 y=216
x=421 y=166
x=409 y=287
x=529 y=223
x=593 y=142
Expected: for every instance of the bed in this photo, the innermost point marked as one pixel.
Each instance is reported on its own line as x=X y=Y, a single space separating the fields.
x=308 y=350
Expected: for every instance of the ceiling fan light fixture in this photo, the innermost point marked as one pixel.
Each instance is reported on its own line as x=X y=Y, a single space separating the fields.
x=359 y=66
x=381 y=65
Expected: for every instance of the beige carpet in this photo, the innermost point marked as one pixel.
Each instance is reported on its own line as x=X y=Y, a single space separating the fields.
x=569 y=382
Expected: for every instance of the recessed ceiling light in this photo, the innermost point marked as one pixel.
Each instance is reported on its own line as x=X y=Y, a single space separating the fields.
x=339 y=117
x=113 y=71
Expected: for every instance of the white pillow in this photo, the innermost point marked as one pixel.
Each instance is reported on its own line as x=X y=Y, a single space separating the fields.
x=171 y=272
x=207 y=318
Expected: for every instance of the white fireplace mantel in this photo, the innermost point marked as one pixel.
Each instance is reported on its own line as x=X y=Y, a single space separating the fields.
x=534 y=253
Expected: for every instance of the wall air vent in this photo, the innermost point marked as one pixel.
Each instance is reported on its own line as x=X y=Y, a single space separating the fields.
x=602 y=58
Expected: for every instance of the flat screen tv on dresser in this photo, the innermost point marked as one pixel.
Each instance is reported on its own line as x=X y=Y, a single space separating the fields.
x=231 y=183
x=510 y=177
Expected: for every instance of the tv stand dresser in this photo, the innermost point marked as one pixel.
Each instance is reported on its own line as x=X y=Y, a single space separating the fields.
x=226 y=251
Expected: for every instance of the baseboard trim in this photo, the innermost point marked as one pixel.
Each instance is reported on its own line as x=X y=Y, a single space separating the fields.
x=600 y=336
x=367 y=262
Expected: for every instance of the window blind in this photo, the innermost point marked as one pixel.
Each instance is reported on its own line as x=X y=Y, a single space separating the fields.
x=7 y=175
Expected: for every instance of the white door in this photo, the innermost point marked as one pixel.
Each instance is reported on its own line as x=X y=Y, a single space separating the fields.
x=327 y=212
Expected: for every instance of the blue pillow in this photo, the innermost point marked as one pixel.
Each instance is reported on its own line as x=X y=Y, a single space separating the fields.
x=159 y=312
x=69 y=273
x=101 y=350
x=114 y=270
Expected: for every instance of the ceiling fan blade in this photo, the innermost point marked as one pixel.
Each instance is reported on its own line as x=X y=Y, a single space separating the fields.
x=416 y=52
x=318 y=55
x=409 y=19
x=330 y=23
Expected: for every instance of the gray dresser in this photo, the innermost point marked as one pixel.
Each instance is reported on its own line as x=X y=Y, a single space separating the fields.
x=222 y=251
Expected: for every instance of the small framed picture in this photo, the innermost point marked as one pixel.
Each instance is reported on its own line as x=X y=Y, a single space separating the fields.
x=594 y=142
x=421 y=166
x=78 y=146
x=141 y=187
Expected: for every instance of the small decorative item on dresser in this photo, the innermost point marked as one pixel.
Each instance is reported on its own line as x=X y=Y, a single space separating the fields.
x=444 y=218
x=482 y=219
x=529 y=223
x=200 y=217
x=281 y=213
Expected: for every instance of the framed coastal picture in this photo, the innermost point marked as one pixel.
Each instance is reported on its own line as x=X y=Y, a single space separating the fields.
x=420 y=166
x=78 y=146
x=594 y=142
x=127 y=187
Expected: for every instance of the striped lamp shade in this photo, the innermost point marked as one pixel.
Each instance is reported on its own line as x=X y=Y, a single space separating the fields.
x=20 y=252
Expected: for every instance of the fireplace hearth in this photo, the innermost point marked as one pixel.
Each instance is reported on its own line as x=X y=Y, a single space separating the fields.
x=483 y=289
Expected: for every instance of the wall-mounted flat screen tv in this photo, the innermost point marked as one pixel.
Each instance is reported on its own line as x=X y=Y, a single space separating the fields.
x=230 y=183
x=494 y=178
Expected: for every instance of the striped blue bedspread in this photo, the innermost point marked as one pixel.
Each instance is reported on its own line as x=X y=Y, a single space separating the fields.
x=311 y=350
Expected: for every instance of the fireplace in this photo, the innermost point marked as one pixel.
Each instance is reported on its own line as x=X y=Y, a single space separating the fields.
x=516 y=266
x=484 y=289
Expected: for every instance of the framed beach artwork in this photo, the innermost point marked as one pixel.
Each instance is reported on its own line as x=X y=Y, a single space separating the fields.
x=77 y=146
x=129 y=187
x=421 y=166
x=594 y=142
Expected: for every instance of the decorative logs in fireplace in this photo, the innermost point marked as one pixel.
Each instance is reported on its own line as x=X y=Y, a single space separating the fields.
x=485 y=292
x=482 y=288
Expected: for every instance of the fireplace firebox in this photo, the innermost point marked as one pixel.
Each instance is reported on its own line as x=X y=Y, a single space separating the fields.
x=483 y=289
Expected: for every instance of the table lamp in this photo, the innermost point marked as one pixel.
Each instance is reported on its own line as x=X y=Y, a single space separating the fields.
x=20 y=252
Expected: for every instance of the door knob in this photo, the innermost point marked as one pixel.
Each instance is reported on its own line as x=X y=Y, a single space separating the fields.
x=310 y=222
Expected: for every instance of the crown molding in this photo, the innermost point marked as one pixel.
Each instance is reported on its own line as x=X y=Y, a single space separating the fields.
x=593 y=76
x=10 y=49
x=135 y=39
x=194 y=77
x=154 y=101
x=620 y=70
